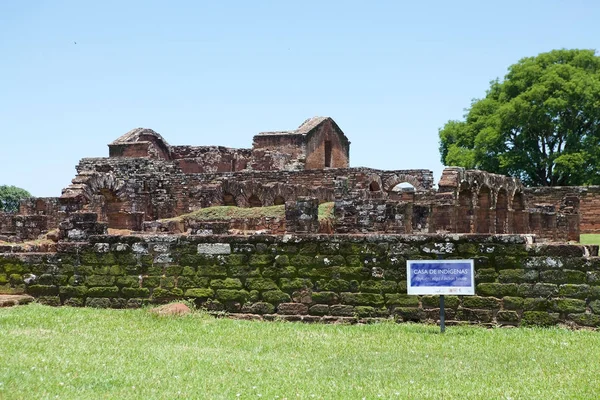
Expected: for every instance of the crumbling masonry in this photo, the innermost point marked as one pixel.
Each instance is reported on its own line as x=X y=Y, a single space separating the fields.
x=113 y=241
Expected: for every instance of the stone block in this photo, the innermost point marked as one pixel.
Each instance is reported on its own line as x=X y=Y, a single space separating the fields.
x=261 y=284
x=319 y=309
x=276 y=297
x=401 y=300
x=108 y=291
x=507 y=316
x=292 y=308
x=199 y=292
x=214 y=248
x=135 y=292
x=341 y=310
x=539 y=318
x=228 y=283
x=363 y=299
x=480 y=302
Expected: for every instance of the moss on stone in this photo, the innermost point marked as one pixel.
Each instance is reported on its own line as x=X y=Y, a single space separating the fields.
x=217 y=271
x=409 y=314
x=261 y=260
x=73 y=291
x=538 y=318
x=161 y=293
x=568 y=305
x=243 y=271
x=366 y=299
x=434 y=301
x=365 y=311
x=135 y=292
x=53 y=301
x=108 y=291
x=276 y=297
x=228 y=283
x=378 y=286
x=319 y=309
x=167 y=282
x=512 y=303
x=42 y=290
x=128 y=281
x=173 y=270
x=188 y=271
x=199 y=292
x=401 y=300
x=480 y=302
x=261 y=284
x=507 y=316
x=341 y=310
x=100 y=280
x=536 y=304
x=485 y=275
x=574 y=291
x=225 y=295
x=97 y=302
x=517 y=276
x=282 y=260
x=259 y=308
x=544 y=290
x=496 y=289
x=295 y=284
x=585 y=319
x=74 y=302
x=595 y=306
x=275 y=271
x=325 y=297
x=350 y=273
x=3 y=279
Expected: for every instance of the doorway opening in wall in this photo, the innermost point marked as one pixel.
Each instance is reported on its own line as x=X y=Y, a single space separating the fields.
x=328 y=153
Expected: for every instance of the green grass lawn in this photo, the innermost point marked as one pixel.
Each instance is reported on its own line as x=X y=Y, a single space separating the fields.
x=71 y=353
x=589 y=238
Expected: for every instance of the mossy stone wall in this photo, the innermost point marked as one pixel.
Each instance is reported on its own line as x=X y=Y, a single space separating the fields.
x=316 y=277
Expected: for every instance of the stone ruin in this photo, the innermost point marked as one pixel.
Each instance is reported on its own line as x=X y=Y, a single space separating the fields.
x=118 y=236
x=145 y=180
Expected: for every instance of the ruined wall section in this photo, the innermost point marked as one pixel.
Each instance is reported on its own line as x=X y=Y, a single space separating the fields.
x=326 y=144
x=210 y=159
x=313 y=278
x=570 y=200
x=284 y=151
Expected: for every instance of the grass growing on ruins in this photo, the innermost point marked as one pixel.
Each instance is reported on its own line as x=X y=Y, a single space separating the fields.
x=590 y=238
x=232 y=212
x=71 y=353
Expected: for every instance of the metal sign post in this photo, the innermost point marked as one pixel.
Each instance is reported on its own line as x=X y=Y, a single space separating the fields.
x=442 y=315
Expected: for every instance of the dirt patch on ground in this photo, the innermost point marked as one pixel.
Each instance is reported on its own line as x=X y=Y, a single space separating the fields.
x=9 y=300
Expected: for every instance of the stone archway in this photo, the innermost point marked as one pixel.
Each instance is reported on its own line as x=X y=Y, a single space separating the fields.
x=464 y=212
x=502 y=211
x=484 y=202
x=254 y=201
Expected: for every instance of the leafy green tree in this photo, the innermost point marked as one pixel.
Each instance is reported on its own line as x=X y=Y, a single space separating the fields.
x=10 y=197
x=540 y=124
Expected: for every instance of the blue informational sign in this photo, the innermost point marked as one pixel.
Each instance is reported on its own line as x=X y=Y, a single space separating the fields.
x=440 y=277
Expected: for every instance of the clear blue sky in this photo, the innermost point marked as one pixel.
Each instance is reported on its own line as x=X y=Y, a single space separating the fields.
x=205 y=73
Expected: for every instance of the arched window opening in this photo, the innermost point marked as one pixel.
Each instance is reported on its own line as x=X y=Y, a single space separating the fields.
x=228 y=199
x=403 y=191
x=483 y=211
x=520 y=219
x=502 y=212
x=254 y=201
x=374 y=186
x=279 y=200
x=465 y=211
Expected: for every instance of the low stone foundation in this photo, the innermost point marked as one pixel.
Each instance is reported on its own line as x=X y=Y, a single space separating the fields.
x=316 y=278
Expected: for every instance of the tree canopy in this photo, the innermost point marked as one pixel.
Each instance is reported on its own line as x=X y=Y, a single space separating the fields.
x=10 y=197
x=540 y=124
